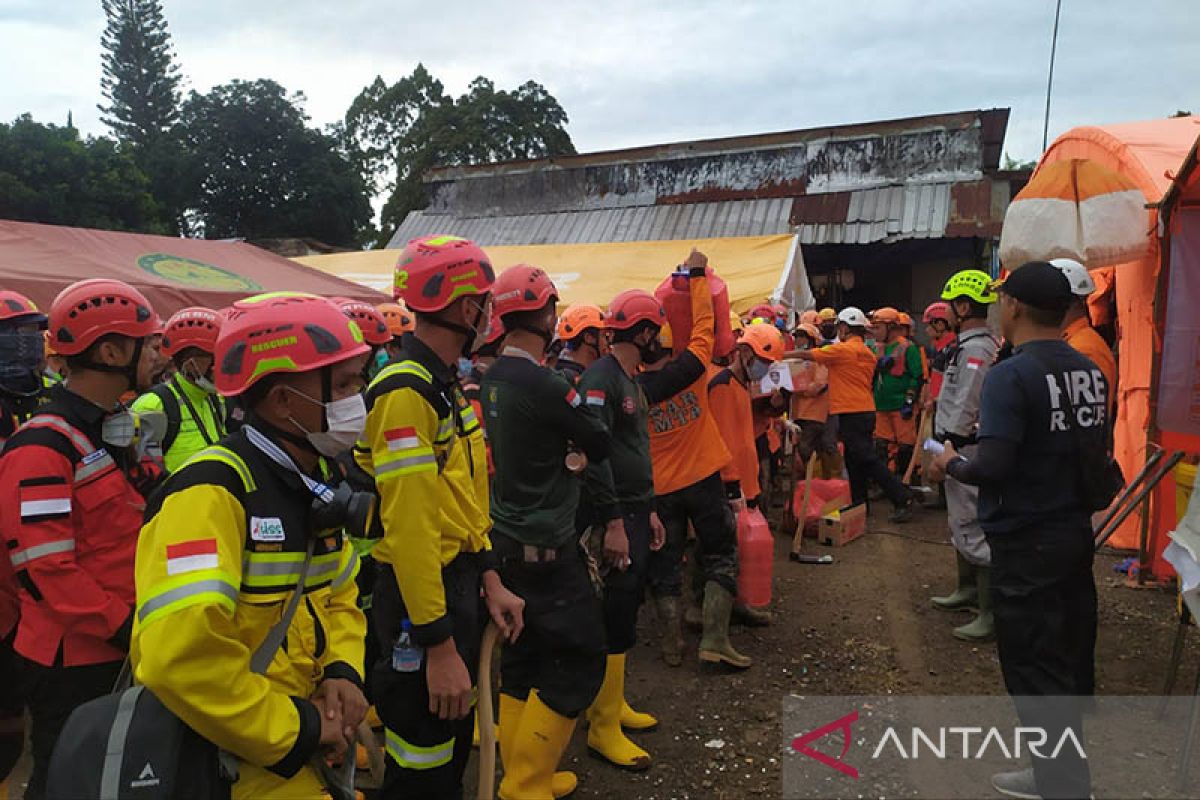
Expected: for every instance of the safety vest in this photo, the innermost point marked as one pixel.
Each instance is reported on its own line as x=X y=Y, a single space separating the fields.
x=195 y=419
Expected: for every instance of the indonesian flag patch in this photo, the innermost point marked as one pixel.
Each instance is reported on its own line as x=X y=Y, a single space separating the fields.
x=595 y=397
x=974 y=363
x=45 y=502
x=401 y=439
x=573 y=398
x=191 y=556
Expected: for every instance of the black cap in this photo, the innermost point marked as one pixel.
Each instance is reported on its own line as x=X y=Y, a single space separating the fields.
x=1039 y=284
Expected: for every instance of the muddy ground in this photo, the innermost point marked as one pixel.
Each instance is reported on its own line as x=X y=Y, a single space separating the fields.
x=863 y=625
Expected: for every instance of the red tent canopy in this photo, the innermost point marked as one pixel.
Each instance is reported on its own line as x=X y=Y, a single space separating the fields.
x=40 y=260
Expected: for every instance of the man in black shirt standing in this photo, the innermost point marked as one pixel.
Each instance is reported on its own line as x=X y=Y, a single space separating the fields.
x=1043 y=416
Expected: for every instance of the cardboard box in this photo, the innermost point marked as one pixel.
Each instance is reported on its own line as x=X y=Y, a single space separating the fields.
x=843 y=526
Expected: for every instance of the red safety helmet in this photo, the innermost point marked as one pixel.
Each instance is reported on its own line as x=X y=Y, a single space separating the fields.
x=764 y=339
x=764 y=310
x=495 y=330
x=633 y=306
x=370 y=321
x=87 y=310
x=282 y=332
x=434 y=271
x=191 y=327
x=938 y=310
x=577 y=319
x=522 y=288
x=399 y=319
x=16 y=308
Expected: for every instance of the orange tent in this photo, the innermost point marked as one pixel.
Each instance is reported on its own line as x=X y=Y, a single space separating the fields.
x=1150 y=153
x=40 y=260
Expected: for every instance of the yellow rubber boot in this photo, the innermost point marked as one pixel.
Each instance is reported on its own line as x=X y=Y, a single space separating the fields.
x=562 y=784
x=605 y=737
x=534 y=752
x=637 y=721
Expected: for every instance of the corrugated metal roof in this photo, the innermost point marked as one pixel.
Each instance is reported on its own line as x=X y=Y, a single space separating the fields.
x=881 y=214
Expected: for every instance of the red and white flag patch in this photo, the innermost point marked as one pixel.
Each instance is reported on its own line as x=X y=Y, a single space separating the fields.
x=974 y=363
x=573 y=398
x=595 y=397
x=191 y=556
x=48 y=500
x=401 y=439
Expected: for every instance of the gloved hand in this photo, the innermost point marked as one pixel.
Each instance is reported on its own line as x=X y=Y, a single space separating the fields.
x=885 y=363
x=906 y=410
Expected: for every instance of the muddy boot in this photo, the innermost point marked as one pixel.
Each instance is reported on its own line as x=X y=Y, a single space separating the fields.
x=693 y=617
x=714 y=644
x=983 y=627
x=965 y=594
x=751 y=617
x=672 y=636
x=904 y=454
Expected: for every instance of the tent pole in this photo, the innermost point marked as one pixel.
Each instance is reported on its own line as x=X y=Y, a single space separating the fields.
x=1050 y=79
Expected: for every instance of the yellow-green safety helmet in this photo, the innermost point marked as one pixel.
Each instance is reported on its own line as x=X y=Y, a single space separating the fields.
x=973 y=283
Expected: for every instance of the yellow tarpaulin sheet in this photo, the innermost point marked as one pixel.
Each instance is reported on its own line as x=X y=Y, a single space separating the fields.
x=754 y=267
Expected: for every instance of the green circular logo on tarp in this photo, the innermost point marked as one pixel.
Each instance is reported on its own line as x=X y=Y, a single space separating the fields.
x=196 y=273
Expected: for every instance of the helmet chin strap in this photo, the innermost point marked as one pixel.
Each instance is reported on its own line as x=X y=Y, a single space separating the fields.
x=129 y=371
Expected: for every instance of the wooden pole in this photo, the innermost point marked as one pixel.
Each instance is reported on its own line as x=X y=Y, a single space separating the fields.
x=487 y=717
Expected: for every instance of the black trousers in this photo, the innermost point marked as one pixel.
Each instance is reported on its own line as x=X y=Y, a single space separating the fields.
x=704 y=505
x=857 y=432
x=1044 y=600
x=561 y=650
x=427 y=756
x=52 y=693
x=623 y=589
x=12 y=708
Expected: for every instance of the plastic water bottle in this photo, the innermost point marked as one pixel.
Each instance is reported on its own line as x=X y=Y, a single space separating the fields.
x=406 y=656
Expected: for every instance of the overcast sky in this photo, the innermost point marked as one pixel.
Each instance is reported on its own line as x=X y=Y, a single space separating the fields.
x=631 y=72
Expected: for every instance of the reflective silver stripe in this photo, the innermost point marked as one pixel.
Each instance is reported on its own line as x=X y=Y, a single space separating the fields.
x=114 y=755
x=187 y=590
x=405 y=463
x=81 y=442
x=21 y=557
x=411 y=756
x=85 y=471
x=345 y=575
x=322 y=565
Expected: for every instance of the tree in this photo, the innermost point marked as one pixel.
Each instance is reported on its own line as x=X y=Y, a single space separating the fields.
x=256 y=170
x=48 y=174
x=1181 y=113
x=398 y=132
x=1013 y=164
x=141 y=79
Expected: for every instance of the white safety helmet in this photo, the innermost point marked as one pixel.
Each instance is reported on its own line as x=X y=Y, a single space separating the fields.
x=1077 y=274
x=854 y=317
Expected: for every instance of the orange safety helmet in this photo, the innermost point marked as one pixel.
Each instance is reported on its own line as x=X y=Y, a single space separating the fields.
x=434 y=271
x=522 y=288
x=905 y=320
x=87 y=310
x=810 y=317
x=633 y=306
x=282 y=332
x=575 y=320
x=398 y=318
x=811 y=331
x=885 y=316
x=370 y=320
x=191 y=327
x=764 y=339
x=18 y=309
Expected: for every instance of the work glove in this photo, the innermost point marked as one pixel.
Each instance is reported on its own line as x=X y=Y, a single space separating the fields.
x=906 y=410
x=885 y=363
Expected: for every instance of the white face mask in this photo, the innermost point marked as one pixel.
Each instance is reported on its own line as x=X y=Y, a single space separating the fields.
x=201 y=380
x=119 y=428
x=346 y=420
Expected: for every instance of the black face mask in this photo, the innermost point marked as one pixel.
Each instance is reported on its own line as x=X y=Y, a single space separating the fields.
x=20 y=362
x=652 y=351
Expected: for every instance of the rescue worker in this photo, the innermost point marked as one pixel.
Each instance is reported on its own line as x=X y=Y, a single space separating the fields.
x=56 y=365
x=375 y=331
x=828 y=325
x=195 y=414
x=809 y=410
x=631 y=527
x=540 y=432
x=1077 y=325
x=897 y=381
x=1043 y=435
x=956 y=420
x=70 y=509
x=399 y=322
x=225 y=542
x=581 y=330
x=424 y=446
x=852 y=368
x=939 y=328
x=688 y=455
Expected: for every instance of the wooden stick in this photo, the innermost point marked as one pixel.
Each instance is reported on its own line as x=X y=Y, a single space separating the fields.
x=924 y=429
x=801 y=513
x=487 y=717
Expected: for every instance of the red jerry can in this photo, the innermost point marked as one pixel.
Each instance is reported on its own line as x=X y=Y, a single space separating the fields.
x=677 y=301
x=756 y=559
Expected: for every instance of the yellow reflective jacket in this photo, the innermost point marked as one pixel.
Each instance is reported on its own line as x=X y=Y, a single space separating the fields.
x=188 y=433
x=216 y=563
x=424 y=446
